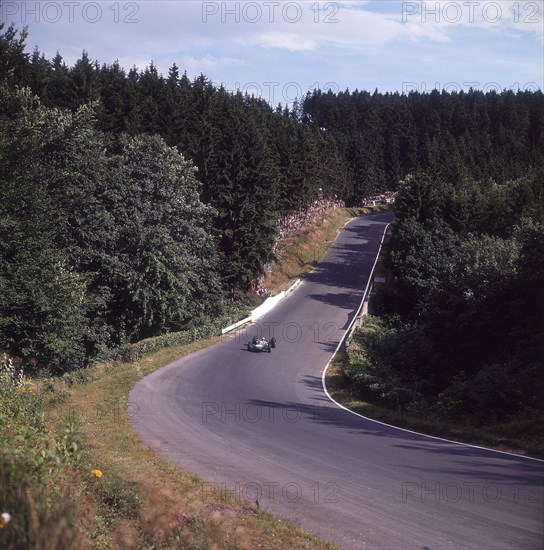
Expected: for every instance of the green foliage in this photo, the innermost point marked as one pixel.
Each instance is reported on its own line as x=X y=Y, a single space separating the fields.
x=469 y=205
x=386 y=362
x=101 y=242
x=116 y=497
x=164 y=257
x=33 y=486
x=240 y=183
x=13 y=59
x=492 y=393
x=41 y=298
x=420 y=197
x=134 y=352
x=107 y=238
x=421 y=258
x=473 y=291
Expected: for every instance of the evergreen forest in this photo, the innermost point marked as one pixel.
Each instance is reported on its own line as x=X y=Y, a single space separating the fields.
x=134 y=203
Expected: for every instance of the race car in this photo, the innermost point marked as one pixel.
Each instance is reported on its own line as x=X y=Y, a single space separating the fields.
x=261 y=344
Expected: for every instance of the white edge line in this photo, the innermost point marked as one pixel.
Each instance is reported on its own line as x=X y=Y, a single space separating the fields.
x=384 y=423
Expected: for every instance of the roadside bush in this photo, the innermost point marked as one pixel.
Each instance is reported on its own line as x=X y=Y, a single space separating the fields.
x=382 y=363
x=116 y=496
x=34 y=488
x=495 y=393
x=206 y=329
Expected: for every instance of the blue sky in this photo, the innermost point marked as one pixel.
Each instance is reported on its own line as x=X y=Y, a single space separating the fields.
x=281 y=49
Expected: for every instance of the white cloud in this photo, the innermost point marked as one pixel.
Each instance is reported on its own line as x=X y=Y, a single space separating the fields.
x=284 y=40
x=447 y=15
x=207 y=64
x=354 y=43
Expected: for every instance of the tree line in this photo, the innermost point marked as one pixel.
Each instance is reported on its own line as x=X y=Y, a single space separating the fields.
x=462 y=333
x=134 y=203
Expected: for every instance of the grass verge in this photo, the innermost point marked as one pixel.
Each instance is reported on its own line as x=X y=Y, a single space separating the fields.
x=520 y=436
x=501 y=437
x=140 y=500
x=298 y=254
x=73 y=473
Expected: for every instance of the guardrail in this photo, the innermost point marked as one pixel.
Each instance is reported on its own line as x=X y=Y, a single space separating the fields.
x=363 y=308
x=235 y=325
x=268 y=305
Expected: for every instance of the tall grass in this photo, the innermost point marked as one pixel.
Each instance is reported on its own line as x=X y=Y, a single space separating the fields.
x=35 y=486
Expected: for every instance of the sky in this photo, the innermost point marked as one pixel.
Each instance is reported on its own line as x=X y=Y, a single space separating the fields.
x=280 y=49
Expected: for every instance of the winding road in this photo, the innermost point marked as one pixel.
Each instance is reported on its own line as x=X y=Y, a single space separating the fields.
x=261 y=427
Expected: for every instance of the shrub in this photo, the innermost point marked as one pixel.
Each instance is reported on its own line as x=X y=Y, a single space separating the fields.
x=34 y=488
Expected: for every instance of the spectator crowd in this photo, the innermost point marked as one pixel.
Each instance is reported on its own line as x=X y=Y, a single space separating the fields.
x=388 y=197
x=289 y=223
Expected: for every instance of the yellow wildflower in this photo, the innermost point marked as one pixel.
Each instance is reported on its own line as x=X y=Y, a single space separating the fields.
x=27 y=386
x=96 y=473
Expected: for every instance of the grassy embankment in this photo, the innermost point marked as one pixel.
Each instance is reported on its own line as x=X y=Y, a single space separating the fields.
x=75 y=475
x=510 y=436
x=299 y=253
x=152 y=503
x=78 y=476
x=503 y=437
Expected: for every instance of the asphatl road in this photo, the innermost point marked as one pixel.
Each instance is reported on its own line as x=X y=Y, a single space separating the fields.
x=260 y=427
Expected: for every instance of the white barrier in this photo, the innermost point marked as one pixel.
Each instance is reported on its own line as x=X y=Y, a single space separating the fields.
x=293 y=286
x=268 y=305
x=235 y=325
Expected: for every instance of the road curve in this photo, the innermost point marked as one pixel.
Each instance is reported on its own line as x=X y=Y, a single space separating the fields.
x=260 y=426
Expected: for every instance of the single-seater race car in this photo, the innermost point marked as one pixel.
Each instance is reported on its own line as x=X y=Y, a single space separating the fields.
x=261 y=344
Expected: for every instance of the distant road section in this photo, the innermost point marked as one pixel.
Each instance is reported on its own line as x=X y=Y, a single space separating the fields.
x=260 y=426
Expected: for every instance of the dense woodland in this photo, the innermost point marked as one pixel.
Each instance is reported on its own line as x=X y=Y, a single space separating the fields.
x=133 y=203
x=461 y=330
